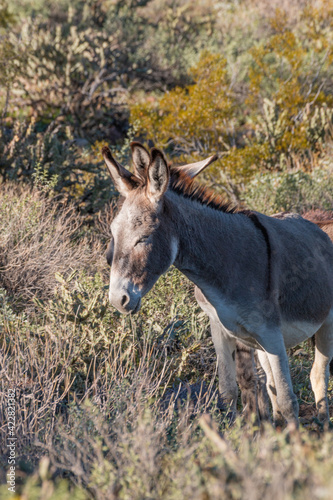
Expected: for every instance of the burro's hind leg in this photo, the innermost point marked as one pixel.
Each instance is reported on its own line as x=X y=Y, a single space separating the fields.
x=263 y=399
x=251 y=379
x=286 y=401
x=247 y=379
x=225 y=347
x=320 y=369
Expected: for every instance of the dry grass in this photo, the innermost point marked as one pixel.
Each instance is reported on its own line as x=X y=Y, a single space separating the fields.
x=109 y=407
x=117 y=433
x=39 y=237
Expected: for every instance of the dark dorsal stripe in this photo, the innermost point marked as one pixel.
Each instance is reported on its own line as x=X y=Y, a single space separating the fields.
x=254 y=218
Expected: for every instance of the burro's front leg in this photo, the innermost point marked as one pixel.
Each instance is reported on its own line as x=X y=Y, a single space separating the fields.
x=276 y=355
x=225 y=347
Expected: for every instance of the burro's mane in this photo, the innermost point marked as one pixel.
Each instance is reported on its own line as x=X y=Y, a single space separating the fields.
x=183 y=185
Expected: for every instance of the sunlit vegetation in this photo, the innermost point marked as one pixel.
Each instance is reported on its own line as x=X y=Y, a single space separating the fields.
x=277 y=115
x=113 y=407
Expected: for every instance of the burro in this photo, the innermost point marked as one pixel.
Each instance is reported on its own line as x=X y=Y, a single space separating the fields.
x=264 y=281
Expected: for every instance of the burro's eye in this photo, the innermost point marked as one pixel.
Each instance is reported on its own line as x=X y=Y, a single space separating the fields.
x=142 y=240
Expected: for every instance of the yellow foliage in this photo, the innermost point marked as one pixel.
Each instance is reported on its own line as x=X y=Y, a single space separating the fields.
x=244 y=162
x=286 y=111
x=282 y=70
x=196 y=113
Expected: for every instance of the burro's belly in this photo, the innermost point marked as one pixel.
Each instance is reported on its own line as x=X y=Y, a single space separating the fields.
x=245 y=337
x=295 y=332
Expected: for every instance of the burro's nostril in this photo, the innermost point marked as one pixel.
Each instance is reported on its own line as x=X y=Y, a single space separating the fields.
x=124 y=300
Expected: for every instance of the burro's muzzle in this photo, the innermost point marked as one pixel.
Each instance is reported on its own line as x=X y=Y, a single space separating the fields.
x=124 y=295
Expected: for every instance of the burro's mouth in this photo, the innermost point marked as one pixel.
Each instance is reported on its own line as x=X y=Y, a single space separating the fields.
x=137 y=307
x=128 y=309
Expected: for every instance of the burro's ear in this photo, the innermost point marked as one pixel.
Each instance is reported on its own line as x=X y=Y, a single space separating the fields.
x=158 y=176
x=141 y=159
x=122 y=178
x=193 y=169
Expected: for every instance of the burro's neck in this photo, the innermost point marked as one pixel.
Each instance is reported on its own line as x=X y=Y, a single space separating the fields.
x=223 y=254
x=209 y=241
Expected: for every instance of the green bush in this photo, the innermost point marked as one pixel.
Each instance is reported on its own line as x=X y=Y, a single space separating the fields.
x=278 y=114
x=82 y=60
x=296 y=191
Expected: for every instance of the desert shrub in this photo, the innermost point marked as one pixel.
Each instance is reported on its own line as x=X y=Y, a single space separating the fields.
x=181 y=30
x=83 y=59
x=280 y=117
x=192 y=118
x=47 y=160
x=38 y=240
x=6 y=17
x=13 y=56
x=121 y=442
x=73 y=77
x=41 y=485
x=291 y=190
x=289 y=79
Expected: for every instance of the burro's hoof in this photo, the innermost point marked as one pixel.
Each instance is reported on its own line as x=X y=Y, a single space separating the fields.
x=293 y=427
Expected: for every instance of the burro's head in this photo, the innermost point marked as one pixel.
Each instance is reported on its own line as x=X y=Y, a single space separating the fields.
x=143 y=244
